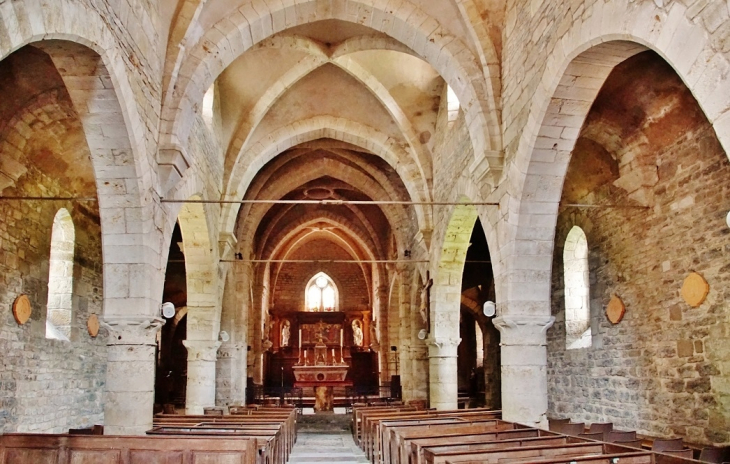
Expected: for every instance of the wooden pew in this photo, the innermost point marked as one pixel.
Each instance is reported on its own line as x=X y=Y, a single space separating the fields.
x=490 y=440
x=271 y=448
x=285 y=416
x=417 y=455
x=533 y=454
x=360 y=412
x=26 y=448
x=394 y=437
x=636 y=457
x=370 y=421
x=371 y=425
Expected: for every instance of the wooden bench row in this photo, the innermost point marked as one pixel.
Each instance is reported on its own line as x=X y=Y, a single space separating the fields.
x=274 y=429
x=370 y=425
x=262 y=437
x=465 y=436
x=27 y=448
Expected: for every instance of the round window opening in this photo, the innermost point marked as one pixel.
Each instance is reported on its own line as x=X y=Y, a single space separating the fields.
x=320 y=376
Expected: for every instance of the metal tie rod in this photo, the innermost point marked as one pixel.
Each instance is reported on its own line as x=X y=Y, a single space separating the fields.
x=335 y=202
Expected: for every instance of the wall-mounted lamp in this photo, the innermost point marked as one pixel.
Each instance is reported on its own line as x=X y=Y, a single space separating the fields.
x=168 y=309
x=489 y=309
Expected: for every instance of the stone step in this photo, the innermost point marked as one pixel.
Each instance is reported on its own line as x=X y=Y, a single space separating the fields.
x=333 y=448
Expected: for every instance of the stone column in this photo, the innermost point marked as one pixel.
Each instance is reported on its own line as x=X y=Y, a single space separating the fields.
x=202 y=356
x=524 y=368
x=231 y=374
x=442 y=368
x=130 y=374
x=419 y=367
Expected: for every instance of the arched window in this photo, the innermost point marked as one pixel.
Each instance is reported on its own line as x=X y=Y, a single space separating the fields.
x=577 y=294
x=60 y=277
x=452 y=103
x=321 y=294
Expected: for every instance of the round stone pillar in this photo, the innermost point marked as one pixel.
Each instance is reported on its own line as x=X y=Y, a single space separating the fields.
x=524 y=368
x=200 y=391
x=130 y=374
x=442 y=369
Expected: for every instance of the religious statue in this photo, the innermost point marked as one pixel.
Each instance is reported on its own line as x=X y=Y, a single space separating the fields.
x=357 y=332
x=425 y=297
x=285 y=332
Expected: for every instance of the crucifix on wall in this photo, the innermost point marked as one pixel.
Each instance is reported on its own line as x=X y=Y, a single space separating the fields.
x=425 y=308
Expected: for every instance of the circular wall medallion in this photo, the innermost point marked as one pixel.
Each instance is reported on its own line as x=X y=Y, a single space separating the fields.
x=615 y=310
x=695 y=289
x=21 y=309
x=92 y=325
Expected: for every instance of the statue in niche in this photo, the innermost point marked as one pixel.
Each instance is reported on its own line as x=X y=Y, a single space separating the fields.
x=357 y=332
x=285 y=332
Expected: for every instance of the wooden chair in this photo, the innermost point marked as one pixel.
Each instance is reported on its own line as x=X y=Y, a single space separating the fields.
x=572 y=429
x=603 y=427
x=715 y=455
x=617 y=436
x=554 y=423
x=667 y=444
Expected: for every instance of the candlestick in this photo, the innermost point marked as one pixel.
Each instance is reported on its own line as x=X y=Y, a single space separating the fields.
x=340 y=338
x=300 y=339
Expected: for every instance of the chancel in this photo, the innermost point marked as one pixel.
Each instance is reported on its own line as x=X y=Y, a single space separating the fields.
x=447 y=207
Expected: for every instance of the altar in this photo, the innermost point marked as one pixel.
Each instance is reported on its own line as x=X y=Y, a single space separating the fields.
x=319 y=367
x=320 y=354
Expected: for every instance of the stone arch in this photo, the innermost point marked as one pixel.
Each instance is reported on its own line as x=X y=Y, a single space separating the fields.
x=324 y=127
x=262 y=181
x=602 y=40
x=445 y=306
x=449 y=56
x=367 y=245
x=120 y=190
x=60 y=277
x=296 y=237
x=203 y=306
x=201 y=272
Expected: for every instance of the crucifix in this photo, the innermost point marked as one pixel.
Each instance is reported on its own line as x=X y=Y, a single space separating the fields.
x=426 y=301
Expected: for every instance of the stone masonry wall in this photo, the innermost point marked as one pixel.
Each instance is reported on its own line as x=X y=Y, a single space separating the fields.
x=48 y=385
x=349 y=278
x=664 y=369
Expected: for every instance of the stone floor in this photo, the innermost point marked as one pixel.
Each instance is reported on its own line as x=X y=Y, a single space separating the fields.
x=333 y=448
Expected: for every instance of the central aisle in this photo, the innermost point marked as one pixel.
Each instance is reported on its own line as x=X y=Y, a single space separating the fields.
x=333 y=448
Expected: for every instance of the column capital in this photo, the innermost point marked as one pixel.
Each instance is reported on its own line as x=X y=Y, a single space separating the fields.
x=523 y=329
x=132 y=330
x=202 y=350
x=443 y=347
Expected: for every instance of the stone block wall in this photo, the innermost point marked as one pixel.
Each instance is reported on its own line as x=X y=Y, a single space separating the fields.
x=48 y=385
x=663 y=370
x=352 y=286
